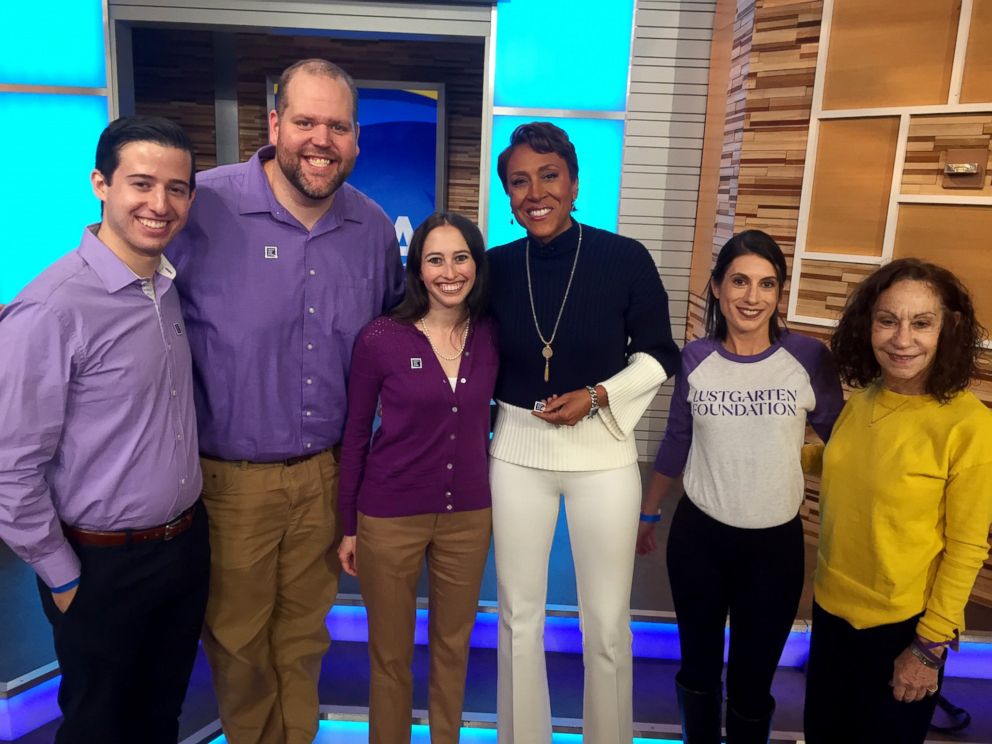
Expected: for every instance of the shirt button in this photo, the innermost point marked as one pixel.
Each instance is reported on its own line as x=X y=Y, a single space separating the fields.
x=309 y=381
x=452 y=436
x=182 y=481
x=454 y=409
x=466 y=353
x=308 y=445
x=311 y=310
x=313 y=273
x=449 y=507
x=179 y=435
x=307 y=413
x=309 y=347
x=173 y=393
x=448 y=494
x=449 y=466
x=463 y=380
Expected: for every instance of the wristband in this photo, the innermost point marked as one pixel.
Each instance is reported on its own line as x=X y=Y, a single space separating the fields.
x=926 y=657
x=650 y=517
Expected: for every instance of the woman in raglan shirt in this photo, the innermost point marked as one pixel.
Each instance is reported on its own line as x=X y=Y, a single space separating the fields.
x=735 y=433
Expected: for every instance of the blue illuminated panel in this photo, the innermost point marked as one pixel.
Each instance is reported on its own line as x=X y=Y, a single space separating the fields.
x=46 y=193
x=357 y=732
x=563 y=54
x=58 y=42
x=599 y=146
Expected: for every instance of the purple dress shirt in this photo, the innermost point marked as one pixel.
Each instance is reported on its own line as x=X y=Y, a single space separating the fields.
x=428 y=456
x=96 y=399
x=273 y=310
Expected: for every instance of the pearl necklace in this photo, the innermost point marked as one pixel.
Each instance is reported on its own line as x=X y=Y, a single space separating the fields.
x=547 y=352
x=423 y=326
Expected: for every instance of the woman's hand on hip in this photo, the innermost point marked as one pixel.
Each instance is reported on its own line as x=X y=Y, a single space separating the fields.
x=567 y=409
x=911 y=680
x=346 y=553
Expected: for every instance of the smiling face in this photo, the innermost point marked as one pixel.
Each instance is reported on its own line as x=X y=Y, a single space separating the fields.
x=541 y=192
x=447 y=268
x=315 y=136
x=145 y=201
x=905 y=330
x=748 y=297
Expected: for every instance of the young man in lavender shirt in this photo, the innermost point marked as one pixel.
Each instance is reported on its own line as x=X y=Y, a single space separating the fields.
x=99 y=476
x=282 y=264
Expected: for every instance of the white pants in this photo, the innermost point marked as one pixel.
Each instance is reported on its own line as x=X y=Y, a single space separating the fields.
x=601 y=507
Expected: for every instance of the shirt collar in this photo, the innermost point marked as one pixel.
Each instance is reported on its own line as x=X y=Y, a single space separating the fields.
x=257 y=196
x=112 y=272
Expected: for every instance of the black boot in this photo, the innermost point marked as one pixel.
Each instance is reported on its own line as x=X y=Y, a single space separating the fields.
x=742 y=730
x=700 y=712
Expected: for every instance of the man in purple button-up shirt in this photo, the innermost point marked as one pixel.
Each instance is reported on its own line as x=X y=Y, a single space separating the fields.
x=99 y=476
x=280 y=267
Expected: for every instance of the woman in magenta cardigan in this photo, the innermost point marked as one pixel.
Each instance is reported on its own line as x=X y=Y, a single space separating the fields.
x=421 y=488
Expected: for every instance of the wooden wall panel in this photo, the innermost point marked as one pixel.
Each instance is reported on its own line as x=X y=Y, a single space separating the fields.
x=976 y=86
x=890 y=53
x=926 y=152
x=174 y=78
x=956 y=237
x=825 y=286
x=854 y=161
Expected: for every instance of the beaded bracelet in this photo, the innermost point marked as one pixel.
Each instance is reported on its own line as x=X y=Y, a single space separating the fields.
x=925 y=656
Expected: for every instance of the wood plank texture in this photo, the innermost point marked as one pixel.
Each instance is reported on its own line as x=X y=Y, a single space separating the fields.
x=930 y=137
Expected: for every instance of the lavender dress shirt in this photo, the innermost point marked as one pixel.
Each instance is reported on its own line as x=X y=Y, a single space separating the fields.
x=429 y=455
x=273 y=310
x=96 y=399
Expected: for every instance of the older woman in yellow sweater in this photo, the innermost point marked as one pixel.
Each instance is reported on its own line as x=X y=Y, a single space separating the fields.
x=906 y=503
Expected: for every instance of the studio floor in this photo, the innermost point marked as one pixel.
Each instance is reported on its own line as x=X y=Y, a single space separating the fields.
x=27 y=648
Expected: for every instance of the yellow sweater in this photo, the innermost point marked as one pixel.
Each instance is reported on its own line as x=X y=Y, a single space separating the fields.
x=906 y=504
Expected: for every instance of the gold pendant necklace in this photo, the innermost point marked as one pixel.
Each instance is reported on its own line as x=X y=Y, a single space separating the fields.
x=547 y=352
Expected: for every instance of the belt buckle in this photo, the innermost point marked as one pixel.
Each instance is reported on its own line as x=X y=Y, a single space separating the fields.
x=172 y=529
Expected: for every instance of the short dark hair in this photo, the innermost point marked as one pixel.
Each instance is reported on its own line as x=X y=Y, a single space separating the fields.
x=130 y=129
x=542 y=137
x=415 y=303
x=754 y=242
x=315 y=66
x=955 y=362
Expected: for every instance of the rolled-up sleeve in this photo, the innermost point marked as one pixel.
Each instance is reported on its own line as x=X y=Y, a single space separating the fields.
x=35 y=377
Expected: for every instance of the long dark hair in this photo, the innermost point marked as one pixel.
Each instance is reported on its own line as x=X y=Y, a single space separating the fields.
x=750 y=241
x=416 y=303
x=955 y=362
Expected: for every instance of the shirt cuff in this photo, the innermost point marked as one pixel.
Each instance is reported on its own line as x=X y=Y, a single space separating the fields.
x=59 y=568
x=630 y=391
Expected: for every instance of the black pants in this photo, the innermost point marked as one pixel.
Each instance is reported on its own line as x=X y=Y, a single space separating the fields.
x=127 y=643
x=754 y=574
x=848 y=696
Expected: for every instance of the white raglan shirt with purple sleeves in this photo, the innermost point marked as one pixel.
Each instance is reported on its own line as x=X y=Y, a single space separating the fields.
x=737 y=424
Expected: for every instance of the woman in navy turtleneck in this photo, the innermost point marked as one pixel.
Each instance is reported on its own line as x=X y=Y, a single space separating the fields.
x=585 y=341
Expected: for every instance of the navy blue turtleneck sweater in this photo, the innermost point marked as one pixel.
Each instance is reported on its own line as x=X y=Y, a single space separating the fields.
x=617 y=306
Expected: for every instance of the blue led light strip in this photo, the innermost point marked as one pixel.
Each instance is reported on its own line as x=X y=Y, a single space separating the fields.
x=357 y=732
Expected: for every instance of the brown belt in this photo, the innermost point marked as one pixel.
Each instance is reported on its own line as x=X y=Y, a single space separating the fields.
x=110 y=538
x=287 y=462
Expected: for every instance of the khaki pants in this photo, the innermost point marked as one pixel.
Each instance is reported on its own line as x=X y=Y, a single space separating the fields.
x=390 y=556
x=274 y=575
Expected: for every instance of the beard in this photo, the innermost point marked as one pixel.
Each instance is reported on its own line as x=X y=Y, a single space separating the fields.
x=316 y=189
